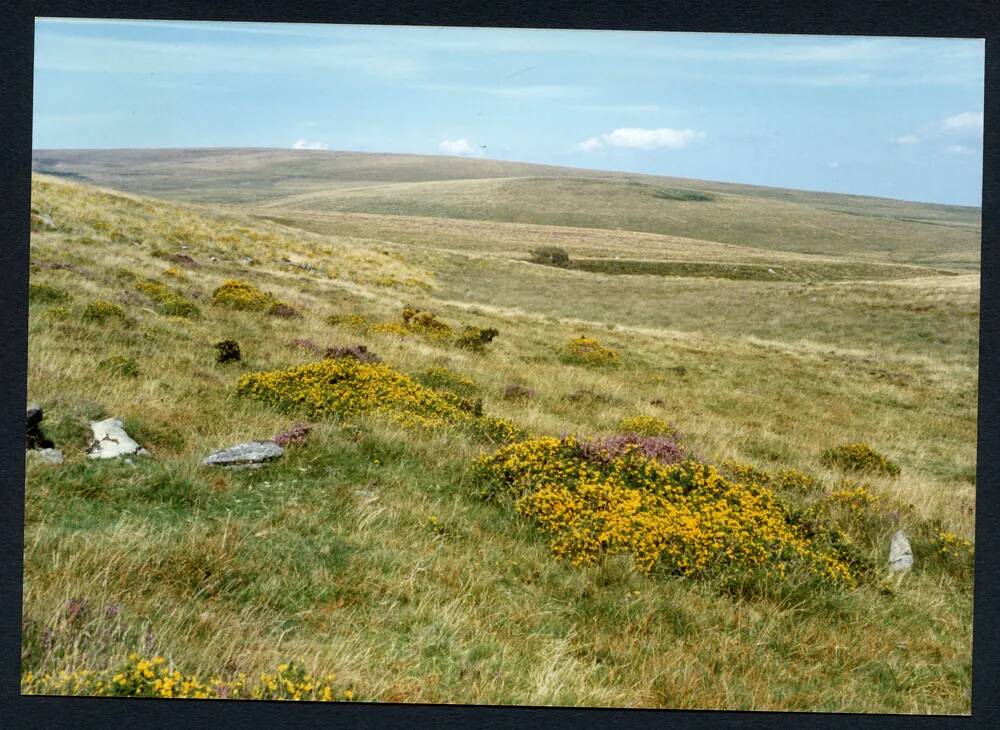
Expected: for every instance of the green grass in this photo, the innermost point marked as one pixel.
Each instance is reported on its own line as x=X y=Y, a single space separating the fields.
x=368 y=551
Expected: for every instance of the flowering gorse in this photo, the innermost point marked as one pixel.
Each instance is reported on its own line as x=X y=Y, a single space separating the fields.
x=101 y=311
x=588 y=351
x=168 y=301
x=859 y=457
x=684 y=519
x=237 y=294
x=348 y=387
x=140 y=677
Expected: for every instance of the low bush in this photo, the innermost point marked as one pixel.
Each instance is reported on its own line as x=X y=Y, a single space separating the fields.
x=425 y=323
x=644 y=425
x=664 y=449
x=347 y=387
x=476 y=338
x=682 y=519
x=45 y=294
x=102 y=311
x=240 y=295
x=168 y=302
x=859 y=457
x=155 y=677
x=550 y=255
x=356 y=352
x=588 y=351
x=227 y=351
x=294 y=436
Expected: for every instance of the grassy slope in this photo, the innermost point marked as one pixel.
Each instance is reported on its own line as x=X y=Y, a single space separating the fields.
x=243 y=570
x=450 y=187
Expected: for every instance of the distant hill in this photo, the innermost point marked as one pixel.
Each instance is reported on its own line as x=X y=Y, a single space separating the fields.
x=299 y=182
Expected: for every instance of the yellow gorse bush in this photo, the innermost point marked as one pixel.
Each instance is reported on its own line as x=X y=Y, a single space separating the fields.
x=588 y=351
x=140 y=677
x=686 y=519
x=237 y=294
x=646 y=426
x=170 y=302
x=348 y=387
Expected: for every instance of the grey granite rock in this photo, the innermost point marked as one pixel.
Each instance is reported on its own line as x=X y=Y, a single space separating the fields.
x=51 y=456
x=900 y=553
x=245 y=455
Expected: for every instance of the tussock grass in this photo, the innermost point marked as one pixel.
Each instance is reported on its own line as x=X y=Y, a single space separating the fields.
x=368 y=552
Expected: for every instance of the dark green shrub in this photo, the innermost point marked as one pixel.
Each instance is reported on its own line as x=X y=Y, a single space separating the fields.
x=227 y=351
x=476 y=338
x=550 y=256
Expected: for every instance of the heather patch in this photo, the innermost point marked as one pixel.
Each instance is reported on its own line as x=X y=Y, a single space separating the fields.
x=357 y=352
x=664 y=449
x=682 y=519
x=294 y=436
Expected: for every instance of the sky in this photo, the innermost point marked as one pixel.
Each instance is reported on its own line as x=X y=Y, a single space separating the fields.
x=892 y=117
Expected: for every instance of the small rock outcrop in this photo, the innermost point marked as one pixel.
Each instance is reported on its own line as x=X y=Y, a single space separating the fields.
x=34 y=436
x=248 y=455
x=111 y=441
x=900 y=553
x=50 y=456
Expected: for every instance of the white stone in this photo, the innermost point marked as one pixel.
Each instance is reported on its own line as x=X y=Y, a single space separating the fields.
x=900 y=554
x=111 y=441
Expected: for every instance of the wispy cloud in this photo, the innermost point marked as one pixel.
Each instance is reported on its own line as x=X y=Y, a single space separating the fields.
x=457 y=147
x=302 y=144
x=57 y=51
x=642 y=139
x=905 y=139
x=965 y=122
x=537 y=91
x=959 y=149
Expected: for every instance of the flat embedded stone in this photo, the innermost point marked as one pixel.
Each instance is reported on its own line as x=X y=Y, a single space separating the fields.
x=244 y=455
x=111 y=441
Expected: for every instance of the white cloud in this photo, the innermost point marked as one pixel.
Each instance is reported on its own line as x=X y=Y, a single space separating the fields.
x=302 y=144
x=965 y=122
x=457 y=147
x=643 y=139
x=905 y=139
x=834 y=165
x=958 y=149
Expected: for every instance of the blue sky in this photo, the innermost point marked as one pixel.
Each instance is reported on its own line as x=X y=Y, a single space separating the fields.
x=894 y=117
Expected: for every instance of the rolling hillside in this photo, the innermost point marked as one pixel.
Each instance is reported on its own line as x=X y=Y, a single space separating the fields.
x=752 y=332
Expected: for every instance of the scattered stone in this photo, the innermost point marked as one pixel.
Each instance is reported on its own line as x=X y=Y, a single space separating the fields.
x=111 y=441
x=33 y=433
x=247 y=260
x=366 y=495
x=772 y=272
x=51 y=456
x=900 y=553
x=250 y=454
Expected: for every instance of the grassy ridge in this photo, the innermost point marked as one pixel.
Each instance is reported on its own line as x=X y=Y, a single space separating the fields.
x=368 y=552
